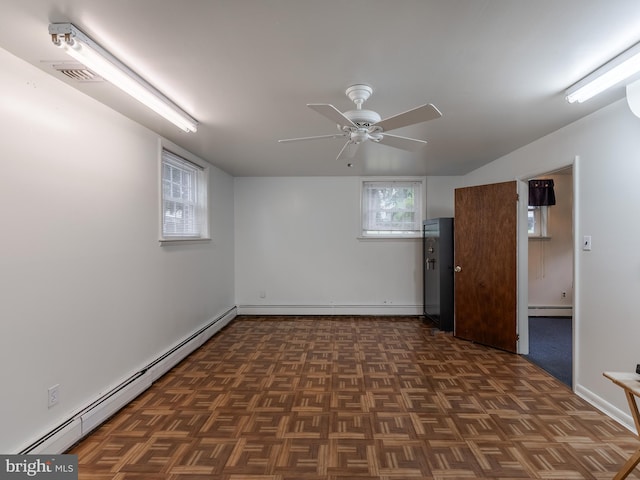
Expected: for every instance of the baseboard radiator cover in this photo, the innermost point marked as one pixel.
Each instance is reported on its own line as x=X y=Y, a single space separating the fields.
x=87 y=419
x=386 y=309
x=550 y=311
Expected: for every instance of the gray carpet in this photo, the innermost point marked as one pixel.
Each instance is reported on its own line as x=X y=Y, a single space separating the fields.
x=550 y=346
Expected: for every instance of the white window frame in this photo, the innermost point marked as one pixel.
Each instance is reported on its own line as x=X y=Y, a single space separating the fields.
x=197 y=186
x=366 y=230
x=540 y=217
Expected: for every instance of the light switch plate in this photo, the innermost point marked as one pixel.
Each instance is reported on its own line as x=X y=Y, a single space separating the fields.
x=586 y=243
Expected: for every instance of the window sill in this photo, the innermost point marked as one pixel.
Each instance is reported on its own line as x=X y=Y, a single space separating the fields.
x=539 y=237
x=182 y=241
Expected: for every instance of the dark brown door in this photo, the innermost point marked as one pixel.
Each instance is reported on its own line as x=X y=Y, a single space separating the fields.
x=485 y=264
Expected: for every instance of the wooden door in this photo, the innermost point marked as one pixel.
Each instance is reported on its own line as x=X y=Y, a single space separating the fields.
x=485 y=241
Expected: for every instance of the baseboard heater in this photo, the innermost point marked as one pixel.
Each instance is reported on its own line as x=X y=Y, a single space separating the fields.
x=333 y=309
x=82 y=423
x=550 y=310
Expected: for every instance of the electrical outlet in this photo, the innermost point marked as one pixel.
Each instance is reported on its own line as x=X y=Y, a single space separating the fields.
x=564 y=294
x=53 y=395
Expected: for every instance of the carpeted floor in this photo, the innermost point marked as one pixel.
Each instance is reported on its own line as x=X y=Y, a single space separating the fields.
x=550 y=346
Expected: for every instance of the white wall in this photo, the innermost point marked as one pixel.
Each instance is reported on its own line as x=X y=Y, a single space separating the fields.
x=607 y=197
x=296 y=242
x=440 y=195
x=87 y=295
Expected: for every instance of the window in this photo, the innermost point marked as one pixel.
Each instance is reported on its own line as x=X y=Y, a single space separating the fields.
x=392 y=208
x=184 y=199
x=537 y=221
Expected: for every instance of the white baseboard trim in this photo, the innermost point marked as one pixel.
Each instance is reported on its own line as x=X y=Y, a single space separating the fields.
x=387 y=309
x=102 y=408
x=607 y=408
x=550 y=311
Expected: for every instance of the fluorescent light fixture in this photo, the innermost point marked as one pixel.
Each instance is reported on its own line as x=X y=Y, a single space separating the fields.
x=615 y=71
x=95 y=58
x=633 y=97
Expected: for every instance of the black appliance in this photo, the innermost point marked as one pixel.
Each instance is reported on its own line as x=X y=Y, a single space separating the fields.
x=437 y=248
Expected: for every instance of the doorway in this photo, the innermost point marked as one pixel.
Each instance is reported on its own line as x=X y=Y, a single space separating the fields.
x=550 y=280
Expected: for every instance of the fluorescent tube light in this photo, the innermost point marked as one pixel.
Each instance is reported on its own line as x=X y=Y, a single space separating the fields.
x=95 y=58
x=615 y=71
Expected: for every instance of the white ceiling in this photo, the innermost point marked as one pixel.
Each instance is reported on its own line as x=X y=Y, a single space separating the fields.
x=497 y=69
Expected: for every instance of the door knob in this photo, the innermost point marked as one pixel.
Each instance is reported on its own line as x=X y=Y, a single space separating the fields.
x=457 y=269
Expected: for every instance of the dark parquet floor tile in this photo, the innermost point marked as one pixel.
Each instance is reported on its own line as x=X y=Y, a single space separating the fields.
x=353 y=398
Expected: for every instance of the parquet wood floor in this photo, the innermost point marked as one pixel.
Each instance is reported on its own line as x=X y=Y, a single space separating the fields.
x=363 y=398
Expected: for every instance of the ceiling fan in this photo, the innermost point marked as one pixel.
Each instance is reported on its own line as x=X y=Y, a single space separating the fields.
x=360 y=125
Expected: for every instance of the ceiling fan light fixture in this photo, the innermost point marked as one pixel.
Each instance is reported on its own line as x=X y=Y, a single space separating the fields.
x=611 y=73
x=359 y=136
x=83 y=49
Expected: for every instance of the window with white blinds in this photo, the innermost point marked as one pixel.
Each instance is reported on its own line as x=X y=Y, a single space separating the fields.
x=392 y=208
x=184 y=198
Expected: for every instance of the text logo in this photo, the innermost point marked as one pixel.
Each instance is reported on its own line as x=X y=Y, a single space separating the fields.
x=50 y=467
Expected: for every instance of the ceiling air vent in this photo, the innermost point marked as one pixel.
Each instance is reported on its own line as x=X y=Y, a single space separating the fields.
x=77 y=72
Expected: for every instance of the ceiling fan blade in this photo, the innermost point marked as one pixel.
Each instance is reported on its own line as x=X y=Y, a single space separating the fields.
x=348 y=150
x=300 y=139
x=410 y=117
x=403 y=143
x=331 y=112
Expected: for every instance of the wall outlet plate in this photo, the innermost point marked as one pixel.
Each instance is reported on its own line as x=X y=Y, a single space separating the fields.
x=53 y=395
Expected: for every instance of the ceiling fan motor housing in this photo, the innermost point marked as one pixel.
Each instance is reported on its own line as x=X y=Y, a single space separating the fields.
x=363 y=118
